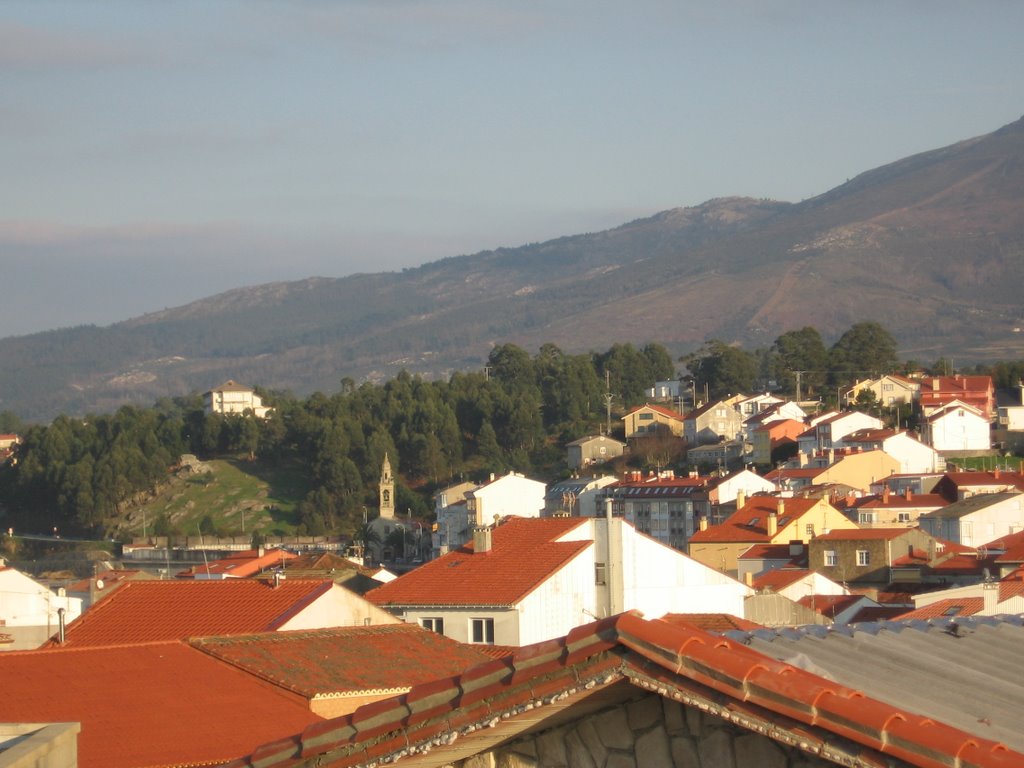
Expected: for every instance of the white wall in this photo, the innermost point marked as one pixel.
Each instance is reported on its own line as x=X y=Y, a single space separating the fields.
x=955 y=432
x=509 y=495
x=339 y=607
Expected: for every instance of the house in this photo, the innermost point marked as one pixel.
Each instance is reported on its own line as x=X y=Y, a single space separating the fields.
x=867 y=555
x=797 y=583
x=232 y=397
x=712 y=423
x=890 y=390
x=763 y=520
x=527 y=580
x=721 y=455
x=855 y=469
x=665 y=390
x=651 y=419
x=152 y=611
x=957 y=428
x=989 y=598
x=327 y=565
x=939 y=392
x=577 y=496
x=149 y=705
x=1009 y=410
x=913 y=455
x=957 y=485
x=30 y=612
x=338 y=670
x=239 y=565
x=976 y=519
x=759 y=558
x=660 y=505
x=103 y=584
x=7 y=444
x=830 y=433
x=512 y=494
x=636 y=692
x=892 y=510
x=749 y=405
x=595 y=449
x=770 y=439
x=741 y=483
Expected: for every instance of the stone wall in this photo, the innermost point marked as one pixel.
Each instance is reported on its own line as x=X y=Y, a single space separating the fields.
x=649 y=732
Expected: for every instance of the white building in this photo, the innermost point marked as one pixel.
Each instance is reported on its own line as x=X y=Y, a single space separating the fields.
x=957 y=427
x=976 y=520
x=528 y=580
x=30 y=613
x=462 y=507
x=578 y=496
x=913 y=455
x=232 y=397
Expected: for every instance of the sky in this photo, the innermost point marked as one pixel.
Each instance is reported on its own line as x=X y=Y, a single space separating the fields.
x=155 y=153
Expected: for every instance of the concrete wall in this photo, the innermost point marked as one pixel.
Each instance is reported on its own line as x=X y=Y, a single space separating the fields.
x=39 y=745
x=649 y=732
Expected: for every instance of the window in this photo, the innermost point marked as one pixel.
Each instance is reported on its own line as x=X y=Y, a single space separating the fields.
x=599 y=574
x=809 y=530
x=433 y=624
x=903 y=517
x=865 y=517
x=645 y=416
x=481 y=631
x=830 y=557
x=863 y=557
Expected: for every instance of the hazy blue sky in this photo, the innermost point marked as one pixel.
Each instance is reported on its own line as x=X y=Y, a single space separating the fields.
x=153 y=153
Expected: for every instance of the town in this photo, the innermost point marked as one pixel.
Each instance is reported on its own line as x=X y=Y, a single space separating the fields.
x=715 y=580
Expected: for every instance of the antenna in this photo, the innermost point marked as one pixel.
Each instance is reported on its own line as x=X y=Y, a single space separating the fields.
x=202 y=546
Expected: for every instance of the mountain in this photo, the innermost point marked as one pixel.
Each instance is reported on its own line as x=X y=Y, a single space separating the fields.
x=931 y=246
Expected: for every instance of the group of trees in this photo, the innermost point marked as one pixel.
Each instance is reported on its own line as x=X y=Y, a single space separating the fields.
x=78 y=474
x=797 y=357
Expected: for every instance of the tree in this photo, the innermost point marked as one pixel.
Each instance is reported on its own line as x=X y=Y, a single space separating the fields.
x=800 y=351
x=725 y=369
x=864 y=351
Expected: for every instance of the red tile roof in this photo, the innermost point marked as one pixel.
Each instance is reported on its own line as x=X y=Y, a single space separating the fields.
x=768 y=552
x=829 y=605
x=147 y=611
x=524 y=552
x=780 y=578
x=959 y=606
x=347 y=659
x=453 y=717
x=719 y=623
x=158 y=704
x=863 y=534
x=749 y=523
x=658 y=409
x=239 y=565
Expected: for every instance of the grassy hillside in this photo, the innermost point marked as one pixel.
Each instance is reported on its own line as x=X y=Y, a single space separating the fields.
x=238 y=496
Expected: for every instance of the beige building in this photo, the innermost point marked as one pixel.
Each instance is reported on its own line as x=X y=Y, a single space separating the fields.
x=652 y=420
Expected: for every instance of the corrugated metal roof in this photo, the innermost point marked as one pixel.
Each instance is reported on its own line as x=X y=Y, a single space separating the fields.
x=964 y=671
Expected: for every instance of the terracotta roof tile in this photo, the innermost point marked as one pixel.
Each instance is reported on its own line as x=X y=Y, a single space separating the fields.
x=749 y=523
x=147 y=611
x=711 y=622
x=863 y=534
x=960 y=606
x=726 y=676
x=780 y=578
x=658 y=409
x=347 y=659
x=829 y=605
x=158 y=704
x=502 y=576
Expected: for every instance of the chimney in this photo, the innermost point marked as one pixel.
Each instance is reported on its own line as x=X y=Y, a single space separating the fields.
x=935 y=384
x=885 y=494
x=773 y=524
x=995 y=473
x=803 y=459
x=277 y=579
x=703 y=524
x=481 y=540
x=60 y=626
x=748 y=578
x=780 y=506
x=932 y=550
x=260 y=551
x=741 y=498
x=990 y=596
x=908 y=494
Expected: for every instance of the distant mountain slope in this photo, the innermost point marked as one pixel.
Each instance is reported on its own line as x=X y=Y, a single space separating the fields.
x=931 y=246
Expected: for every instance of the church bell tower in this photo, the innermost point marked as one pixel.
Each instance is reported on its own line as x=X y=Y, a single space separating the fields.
x=387 y=490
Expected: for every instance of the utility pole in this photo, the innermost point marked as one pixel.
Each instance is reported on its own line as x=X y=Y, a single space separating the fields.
x=608 y=400
x=798 y=374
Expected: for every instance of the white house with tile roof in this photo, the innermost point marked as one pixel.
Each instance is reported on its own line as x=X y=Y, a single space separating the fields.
x=527 y=580
x=955 y=427
x=232 y=397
